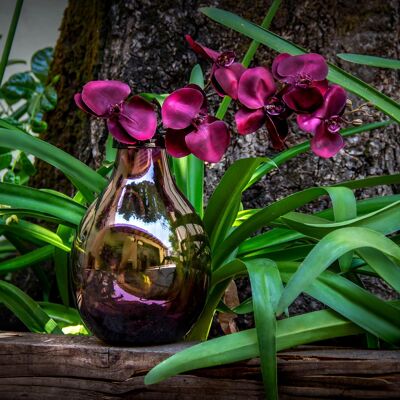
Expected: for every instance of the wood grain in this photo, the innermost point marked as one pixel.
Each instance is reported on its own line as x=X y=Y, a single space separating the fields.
x=56 y=367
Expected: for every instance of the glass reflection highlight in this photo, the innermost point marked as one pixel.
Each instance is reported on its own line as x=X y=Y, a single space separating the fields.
x=141 y=258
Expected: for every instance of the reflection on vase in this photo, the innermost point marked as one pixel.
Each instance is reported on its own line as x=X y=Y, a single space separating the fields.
x=141 y=258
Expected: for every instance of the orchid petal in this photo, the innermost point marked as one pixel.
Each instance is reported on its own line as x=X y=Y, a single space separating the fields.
x=334 y=102
x=181 y=107
x=311 y=64
x=175 y=143
x=209 y=142
x=308 y=123
x=118 y=132
x=278 y=130
x=99 y=96
x=138 y=118
x=303 y=100
x=326 y=144
x=255 y=86
x=79 y=102
x=228 y=78
x=209 y=54
x=248 y=121
x=277 y=60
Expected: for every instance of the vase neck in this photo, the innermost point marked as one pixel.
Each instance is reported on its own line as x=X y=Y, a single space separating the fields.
x=143 y=163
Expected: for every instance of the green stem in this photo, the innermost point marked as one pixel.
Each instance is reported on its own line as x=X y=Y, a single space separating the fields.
x=10 y=38
x=223 y=107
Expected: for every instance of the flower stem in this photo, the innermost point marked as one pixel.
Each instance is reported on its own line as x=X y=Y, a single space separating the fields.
x=223 y=107
x=10 y=38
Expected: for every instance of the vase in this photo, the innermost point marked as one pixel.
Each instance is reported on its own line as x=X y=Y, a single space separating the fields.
x=141 y=257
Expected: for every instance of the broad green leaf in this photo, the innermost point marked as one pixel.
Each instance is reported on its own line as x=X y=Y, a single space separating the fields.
x=281 y=207
x=383 y=265
x=154 y=96
x=27 y=310
x=353 y=302
x=40 y=63
x=385 y=220
x=19 y=86
x=372 y=61
x=38 y=201
x=83 y=176
x=33 y=233
x=61 y=314
x=26 y=164
x=266 y=291
x=26 y=260
x=5 y=160
x=224 y=203
x=328 y=250
x=275 y=42
x=294 y=331
x=48 y=100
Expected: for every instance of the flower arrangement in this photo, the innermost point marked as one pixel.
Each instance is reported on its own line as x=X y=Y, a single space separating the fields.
x=296 y=86
x=327 y=254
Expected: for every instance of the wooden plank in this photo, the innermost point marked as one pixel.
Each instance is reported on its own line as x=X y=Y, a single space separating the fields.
x=76 y=367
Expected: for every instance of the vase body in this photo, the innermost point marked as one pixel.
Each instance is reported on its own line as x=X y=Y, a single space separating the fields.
x=141 y=258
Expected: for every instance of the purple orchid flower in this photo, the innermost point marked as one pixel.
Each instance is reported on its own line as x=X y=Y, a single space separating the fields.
x=305 y=76
x=325 y=123
x=257 y=92
x=225 y=72
x=190 y=130
x=128 y=120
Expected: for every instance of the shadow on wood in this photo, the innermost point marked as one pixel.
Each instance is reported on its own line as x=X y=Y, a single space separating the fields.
x=34 y=366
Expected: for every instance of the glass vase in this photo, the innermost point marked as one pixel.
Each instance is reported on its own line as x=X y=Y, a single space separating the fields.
x=141 y=257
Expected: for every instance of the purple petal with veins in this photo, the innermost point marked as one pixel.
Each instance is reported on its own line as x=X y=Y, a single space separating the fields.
x=326 y=144
x=100 y=96
x=255 y=86
x=181 y=107
x=209 y=142
x=248 y=121
x=138 y=118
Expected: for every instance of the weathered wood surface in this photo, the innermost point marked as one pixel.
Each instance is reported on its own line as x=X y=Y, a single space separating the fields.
x=57 y=367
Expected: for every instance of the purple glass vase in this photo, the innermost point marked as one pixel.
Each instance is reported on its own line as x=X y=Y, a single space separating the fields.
x=141 y=258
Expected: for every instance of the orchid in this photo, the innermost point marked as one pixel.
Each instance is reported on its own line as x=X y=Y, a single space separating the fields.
x=257 y=93
x=128 y=120
x=190 y=130
x=225 y=72
x=325 y=123
x=305 y=77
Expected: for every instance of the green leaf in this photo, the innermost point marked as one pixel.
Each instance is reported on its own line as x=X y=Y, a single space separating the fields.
x=27 y=310
x=15 y=61
x=266 y=292
x=26 y=164
x=196 y=76
x=48 y=100
x=40 y=63
x=26 y=260
x=154 y=96
x=224 y=203
x=301 y=329
x=19 y=86
x=83 y=176
x=44 y=203
x=61 y=314
x=355 y=303
x=281 y=207
x=275 y=42
x=385 y=220
x=34 y=233
x=5 y=160
x=372 y=61
x=328 y=250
